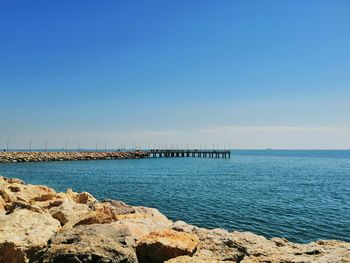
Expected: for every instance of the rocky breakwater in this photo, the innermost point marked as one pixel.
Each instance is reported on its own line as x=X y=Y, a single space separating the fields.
x=38 y=224
x=12 y=157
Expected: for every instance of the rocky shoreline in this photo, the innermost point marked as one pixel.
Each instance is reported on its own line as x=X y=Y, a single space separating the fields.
x=38 y=224
x=13 y=157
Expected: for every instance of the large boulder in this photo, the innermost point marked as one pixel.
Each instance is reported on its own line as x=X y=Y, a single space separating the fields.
x=330 y=251
x=81 y=198
x=23 y=233
x=160 y=246
x=14 y=190
x=111 y=208
x=70 y=213
x=90 y=243
x=140 y=227
x=216 y=244
x=106 y=212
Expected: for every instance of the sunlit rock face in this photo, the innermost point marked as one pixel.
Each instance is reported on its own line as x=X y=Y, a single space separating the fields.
x=37 y=224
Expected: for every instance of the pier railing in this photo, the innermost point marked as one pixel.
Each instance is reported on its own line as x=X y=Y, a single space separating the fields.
x=166 y=153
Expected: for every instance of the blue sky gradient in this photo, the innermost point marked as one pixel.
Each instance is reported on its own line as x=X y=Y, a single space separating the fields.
x=170 y=71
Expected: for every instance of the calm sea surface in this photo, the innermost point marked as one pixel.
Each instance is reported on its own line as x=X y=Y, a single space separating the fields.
x=300 y=195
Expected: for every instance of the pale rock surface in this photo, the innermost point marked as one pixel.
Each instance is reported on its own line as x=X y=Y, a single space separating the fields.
x=106 y=212
x=70 y=212
x=188 y=259
x=2 y=206
x=23 y=233
x=81 y=198
x=160 y=246
x=90 y=243
x=216 y=244
x=140 y=227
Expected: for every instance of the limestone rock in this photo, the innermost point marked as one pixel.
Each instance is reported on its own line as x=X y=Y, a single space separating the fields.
x=12 y=190
x=81 y=198
x=36 y=192
x=69 y=213
x=106 y=212
x=7 y=196
x=260 y=249
x=23 y=233
x=10 y=207
x=160 y=246
x=2 y=206
x=11 y=180
x=146 y=212
x=90 y=243
x=112 y=208
x=216 y=244
x=188 y=259
x=8 y=157
x=140 y=227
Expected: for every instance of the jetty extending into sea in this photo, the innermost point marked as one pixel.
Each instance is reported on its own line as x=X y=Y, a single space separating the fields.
x=189 y=153
x=46 y=156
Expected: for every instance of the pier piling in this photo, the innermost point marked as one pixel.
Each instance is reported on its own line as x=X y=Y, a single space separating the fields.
x=159 y=153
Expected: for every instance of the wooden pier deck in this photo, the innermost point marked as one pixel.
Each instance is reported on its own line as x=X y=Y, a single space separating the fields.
x=166 y=153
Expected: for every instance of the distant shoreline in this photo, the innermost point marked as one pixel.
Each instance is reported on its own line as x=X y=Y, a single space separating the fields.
x=14 y=157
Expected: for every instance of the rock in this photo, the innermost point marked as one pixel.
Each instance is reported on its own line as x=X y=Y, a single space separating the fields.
x=160 y=246
x=81 y=198
x=140 y=227
x=23 y=205
x=14 y=157
x=7 y=196
x=2 y=206
x=90 y=243
x=69 y=213
x=145 y=212
x=260 y=249
x=188 y=259
x=45 y=197
x=34 y=193
x=113 y=207
x=217 y=244
x=46 y=205
x=23 y=233
x=107 y=212
x=13 y=180
x=14 y=189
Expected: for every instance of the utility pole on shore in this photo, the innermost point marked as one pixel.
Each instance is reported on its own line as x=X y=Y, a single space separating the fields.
x=65 y=146
x=30 y=145
x=46 y=146
x=78 y=146
x=105 y=147
x=7 y=145
x=96 y=147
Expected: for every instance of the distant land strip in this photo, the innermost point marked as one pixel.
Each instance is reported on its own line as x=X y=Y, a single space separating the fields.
x=13 y=157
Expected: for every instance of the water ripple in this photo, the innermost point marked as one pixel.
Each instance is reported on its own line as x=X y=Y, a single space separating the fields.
x=299 y=195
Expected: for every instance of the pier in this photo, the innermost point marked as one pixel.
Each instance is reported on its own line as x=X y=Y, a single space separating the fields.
x=165 y=153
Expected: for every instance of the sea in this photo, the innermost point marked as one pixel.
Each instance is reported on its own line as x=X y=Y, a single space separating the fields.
x=301 y=195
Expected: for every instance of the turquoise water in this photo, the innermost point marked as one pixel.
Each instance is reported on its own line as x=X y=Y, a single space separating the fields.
x=300 y=195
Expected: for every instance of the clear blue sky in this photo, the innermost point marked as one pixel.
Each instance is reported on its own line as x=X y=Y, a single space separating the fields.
x=253 y=74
